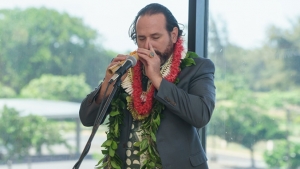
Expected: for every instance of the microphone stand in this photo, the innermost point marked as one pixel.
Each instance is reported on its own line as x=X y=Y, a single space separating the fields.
x=101 y=114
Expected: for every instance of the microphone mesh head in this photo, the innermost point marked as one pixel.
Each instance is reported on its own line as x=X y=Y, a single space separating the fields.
x=132 y=59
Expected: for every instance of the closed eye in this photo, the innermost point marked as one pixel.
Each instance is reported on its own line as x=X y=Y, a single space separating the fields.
x=156 y=37
x=141 y=39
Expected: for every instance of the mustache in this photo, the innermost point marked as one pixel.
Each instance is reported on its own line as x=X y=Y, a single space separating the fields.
x=163 y=56
x=158 y=53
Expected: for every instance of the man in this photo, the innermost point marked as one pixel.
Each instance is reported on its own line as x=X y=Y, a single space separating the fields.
x=173 y=110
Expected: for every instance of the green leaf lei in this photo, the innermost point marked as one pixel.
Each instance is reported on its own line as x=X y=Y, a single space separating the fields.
x=149 y=128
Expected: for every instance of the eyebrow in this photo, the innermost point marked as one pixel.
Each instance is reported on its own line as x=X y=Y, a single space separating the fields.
x=154 y=34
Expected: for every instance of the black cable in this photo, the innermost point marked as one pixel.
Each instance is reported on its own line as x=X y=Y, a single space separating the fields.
x=95 y=128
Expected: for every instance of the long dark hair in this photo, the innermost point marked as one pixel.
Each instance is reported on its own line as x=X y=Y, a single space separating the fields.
x=151 y=9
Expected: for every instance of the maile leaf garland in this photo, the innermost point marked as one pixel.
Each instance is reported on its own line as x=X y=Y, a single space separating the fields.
x=150 y=125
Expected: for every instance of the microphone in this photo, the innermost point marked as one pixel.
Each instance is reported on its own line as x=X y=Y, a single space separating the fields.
x=130 y=62
x=115 y=67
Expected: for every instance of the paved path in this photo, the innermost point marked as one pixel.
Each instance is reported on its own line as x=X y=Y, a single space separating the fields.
x=89 y=164
x=225 y=159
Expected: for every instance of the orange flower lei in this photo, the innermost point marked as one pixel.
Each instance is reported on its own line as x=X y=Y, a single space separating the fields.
x=139 y=108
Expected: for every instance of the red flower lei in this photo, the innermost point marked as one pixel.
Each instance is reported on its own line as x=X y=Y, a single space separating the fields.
x=144 y=108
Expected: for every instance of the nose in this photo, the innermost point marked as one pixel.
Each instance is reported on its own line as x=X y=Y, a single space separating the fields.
x=146 y=44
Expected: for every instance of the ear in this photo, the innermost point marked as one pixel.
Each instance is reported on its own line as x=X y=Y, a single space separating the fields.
x=174 y=34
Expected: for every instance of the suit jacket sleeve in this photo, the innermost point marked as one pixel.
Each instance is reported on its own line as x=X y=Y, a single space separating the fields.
x=89 y=108
x=193 y=99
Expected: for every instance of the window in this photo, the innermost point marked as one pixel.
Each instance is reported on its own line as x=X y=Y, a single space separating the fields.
x=53 y=53
x=255 y=48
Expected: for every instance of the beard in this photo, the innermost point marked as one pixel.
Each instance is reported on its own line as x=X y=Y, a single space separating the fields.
x=165 y=55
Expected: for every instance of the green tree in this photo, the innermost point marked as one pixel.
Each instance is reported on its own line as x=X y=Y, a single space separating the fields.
x=43 y=41
x=70 y=88
x=287 y=46
x=242 y=120
x=279 y=156
x=260 y=69
x=20 y=133
x=6 y=92
x=256 y=86
x=218 y=41
x=288 y=103
x=263 y=68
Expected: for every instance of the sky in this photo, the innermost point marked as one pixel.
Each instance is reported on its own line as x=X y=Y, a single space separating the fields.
x=246 y=20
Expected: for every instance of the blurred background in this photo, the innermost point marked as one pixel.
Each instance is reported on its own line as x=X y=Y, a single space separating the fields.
x=53 y=53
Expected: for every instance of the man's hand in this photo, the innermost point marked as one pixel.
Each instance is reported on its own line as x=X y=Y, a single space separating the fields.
x=108 y=76
x=151 y=62
x=115 y=61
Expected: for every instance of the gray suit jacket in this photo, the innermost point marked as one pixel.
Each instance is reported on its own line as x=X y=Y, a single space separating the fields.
x=189 y=106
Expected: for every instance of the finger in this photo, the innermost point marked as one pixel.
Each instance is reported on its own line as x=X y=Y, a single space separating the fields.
x=152 y=52
x=151 y=48
x=120 y=58
x=116 y=62
x=143 y=53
